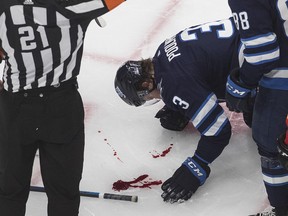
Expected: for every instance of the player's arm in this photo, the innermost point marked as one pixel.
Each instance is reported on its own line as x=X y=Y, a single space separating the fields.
x=86 y=8
x=210 y=120
x=254 y=22
x=261 y=52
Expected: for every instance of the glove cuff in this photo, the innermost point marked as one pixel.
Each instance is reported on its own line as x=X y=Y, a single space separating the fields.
x=235 y=77
x=237 y=88
x=198 y=168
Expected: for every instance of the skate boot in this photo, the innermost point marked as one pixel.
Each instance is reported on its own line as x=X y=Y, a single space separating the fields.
x=278 y=211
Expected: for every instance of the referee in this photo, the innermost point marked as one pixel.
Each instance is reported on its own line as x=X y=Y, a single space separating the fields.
x=40 y=106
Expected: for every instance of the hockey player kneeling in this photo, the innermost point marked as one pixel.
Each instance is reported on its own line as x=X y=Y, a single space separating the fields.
x=189 y=75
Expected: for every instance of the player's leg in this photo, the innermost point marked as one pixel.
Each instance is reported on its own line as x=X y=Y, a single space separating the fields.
x=268 y=123
x=61 y=168
x=61 y=152
x=16 y=155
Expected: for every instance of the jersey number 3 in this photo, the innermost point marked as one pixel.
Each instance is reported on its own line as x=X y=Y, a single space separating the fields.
x=224 y=30
x=179 y=102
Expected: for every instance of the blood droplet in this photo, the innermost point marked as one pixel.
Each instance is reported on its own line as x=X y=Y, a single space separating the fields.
x=115 y=154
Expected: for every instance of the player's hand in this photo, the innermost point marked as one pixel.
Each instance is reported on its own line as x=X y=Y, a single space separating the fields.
x=283 y=151
x=239 y=97
x=2 y=55
x=185 y=181
x=172 y=120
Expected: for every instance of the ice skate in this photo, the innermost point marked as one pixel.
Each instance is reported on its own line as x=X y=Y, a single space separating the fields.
x=280 y=211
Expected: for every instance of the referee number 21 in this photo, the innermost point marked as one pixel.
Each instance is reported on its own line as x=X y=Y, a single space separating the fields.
x=27 y=39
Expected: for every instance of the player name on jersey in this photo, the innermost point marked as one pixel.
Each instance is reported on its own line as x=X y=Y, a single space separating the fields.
x=171 y=48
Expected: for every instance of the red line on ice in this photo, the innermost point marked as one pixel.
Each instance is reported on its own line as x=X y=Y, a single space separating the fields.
x=154 y=29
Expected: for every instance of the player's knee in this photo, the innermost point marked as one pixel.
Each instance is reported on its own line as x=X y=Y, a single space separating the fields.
x=270 y=162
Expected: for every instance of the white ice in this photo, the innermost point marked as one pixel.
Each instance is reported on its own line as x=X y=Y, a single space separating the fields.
x=120 y=140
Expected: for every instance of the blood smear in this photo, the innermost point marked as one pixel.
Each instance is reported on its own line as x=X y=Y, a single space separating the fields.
x=137 y=183
x=164 y=153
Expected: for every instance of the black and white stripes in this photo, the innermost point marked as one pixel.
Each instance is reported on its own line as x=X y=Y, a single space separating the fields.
x=44 y=42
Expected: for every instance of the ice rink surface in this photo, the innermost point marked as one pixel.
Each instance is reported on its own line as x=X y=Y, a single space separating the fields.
x=123 y=142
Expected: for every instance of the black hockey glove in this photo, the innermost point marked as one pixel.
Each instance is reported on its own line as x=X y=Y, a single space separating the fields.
x=247 y=117
x=185 y=181
x=283 y=151
x=172 y=120
x=239 y=97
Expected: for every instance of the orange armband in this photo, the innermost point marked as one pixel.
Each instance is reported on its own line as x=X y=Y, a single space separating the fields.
x=111 y=4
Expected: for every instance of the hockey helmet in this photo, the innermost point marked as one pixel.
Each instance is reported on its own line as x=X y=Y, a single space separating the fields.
x=128 y=83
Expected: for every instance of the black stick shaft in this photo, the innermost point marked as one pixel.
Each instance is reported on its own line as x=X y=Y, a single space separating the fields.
x=95 y=194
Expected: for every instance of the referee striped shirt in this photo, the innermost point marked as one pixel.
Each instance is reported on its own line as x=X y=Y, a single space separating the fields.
x=43 y=39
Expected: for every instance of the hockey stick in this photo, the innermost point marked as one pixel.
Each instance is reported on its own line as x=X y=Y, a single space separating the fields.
x=95 y=194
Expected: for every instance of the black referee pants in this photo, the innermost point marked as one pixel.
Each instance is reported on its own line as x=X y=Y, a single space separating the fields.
x=51 y=120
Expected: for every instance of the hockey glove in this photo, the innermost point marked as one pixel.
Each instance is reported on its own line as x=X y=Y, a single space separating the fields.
x=283 y=151
x=185 y=181
x=239 y=97
x=247 y=117
x=172 y=120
